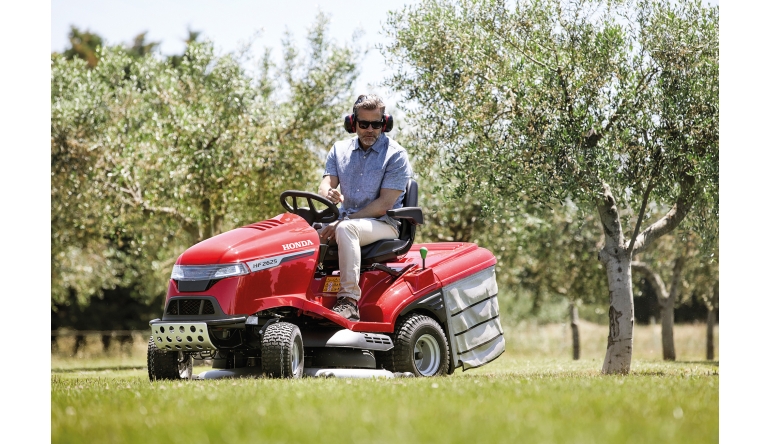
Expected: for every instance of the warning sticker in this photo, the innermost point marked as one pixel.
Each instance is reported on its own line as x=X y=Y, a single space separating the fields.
x=331 y=284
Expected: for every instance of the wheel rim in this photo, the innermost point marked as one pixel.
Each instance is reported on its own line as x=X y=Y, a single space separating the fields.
x=184 y=366
x=427 y=355
x=296 y=355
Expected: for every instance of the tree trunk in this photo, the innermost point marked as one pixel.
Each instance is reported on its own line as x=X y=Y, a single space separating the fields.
x=617 y=264
x=667 y=329
x=710 y=334
x=573 y=318
x=667 y=307
x=106 y=341
x=616 y=256
x=537 y=300
x=620 y=341
x=711 y=319
x=205 y=227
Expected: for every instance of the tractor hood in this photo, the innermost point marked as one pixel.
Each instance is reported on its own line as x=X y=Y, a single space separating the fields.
x=283 y=234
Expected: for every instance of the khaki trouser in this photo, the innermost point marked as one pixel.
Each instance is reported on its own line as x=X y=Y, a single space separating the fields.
x=350 y=236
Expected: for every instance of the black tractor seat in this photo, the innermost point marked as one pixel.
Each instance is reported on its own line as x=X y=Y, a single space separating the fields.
x=410 y=215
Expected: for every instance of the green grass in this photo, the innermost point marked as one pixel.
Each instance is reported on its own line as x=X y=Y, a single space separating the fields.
x=532 y=394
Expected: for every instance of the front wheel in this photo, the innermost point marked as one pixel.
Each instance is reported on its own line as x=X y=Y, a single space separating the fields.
x=168 y=365
x=420 y=347
x=283 y=354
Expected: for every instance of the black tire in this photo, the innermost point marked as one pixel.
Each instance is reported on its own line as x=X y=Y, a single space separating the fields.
x=283 y=353
x=168 y=365
x=420 y=347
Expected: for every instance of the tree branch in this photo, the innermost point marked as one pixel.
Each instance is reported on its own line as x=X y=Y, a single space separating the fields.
x=641 y=214
x=609 y=217
x=507 y=39
x=641 y=86
x=672 y=219
x=563 y=83
x=135 y=196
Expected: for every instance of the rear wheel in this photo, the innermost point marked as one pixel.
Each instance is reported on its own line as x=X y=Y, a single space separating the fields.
x=420 y=347
x=283 y=353
x=168 y=365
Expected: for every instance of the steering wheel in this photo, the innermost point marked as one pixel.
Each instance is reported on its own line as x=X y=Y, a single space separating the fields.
x=310 y=213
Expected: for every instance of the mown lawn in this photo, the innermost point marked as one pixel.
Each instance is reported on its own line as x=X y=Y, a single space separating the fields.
x=525 y=396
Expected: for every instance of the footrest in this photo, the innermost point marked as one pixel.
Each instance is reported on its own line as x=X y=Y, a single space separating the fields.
x=391 y=271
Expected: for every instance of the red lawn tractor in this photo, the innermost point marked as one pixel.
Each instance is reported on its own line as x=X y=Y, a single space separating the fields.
x=257 y=301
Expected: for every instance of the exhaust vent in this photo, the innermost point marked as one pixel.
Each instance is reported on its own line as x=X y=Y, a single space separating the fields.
x=377 y=339
x=265 y=225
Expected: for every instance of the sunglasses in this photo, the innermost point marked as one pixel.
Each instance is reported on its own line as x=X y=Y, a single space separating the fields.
x=363 y=124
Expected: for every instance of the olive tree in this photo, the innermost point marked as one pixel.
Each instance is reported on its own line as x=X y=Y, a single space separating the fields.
x=609 y=104
x=151 y=155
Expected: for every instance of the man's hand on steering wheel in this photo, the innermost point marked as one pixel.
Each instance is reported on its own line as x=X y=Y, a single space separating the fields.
x=310 y=213
x=335 y=196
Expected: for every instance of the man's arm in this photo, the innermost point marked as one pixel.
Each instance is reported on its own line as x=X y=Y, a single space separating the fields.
x=379 y=206
x=328 y=189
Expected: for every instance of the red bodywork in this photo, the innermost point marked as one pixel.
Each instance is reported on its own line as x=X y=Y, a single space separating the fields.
x=293 y=283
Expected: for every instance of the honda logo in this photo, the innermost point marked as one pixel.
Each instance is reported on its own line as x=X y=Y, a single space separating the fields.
x=294 y=245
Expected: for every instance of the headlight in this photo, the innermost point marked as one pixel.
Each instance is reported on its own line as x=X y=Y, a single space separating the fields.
x=206 y=272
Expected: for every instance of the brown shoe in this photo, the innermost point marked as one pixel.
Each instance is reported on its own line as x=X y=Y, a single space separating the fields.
x=348 y=308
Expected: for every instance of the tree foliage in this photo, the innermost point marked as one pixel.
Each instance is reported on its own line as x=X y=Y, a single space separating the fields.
x=612 y=105
x=149 y=156
x=551 y=99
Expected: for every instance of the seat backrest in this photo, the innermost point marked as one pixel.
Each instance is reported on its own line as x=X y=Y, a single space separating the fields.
x=407 y=231
x=410 y=195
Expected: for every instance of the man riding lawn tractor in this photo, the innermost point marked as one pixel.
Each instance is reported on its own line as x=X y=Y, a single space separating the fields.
x=328 y=291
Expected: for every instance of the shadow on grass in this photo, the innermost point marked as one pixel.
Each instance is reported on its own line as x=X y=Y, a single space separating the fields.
x=97 y=369
x=682 y=368
x=714 y=363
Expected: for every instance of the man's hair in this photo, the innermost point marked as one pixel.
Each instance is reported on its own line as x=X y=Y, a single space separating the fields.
x=370 y=102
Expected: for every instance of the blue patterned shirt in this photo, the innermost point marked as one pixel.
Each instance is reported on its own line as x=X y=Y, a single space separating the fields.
x=363 y=173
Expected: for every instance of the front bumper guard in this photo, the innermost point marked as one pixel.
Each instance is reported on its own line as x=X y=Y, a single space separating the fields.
x=187 y=336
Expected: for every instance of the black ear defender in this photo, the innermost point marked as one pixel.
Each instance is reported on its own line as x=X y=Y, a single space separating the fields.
x=350 y=119
x=350 y=123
